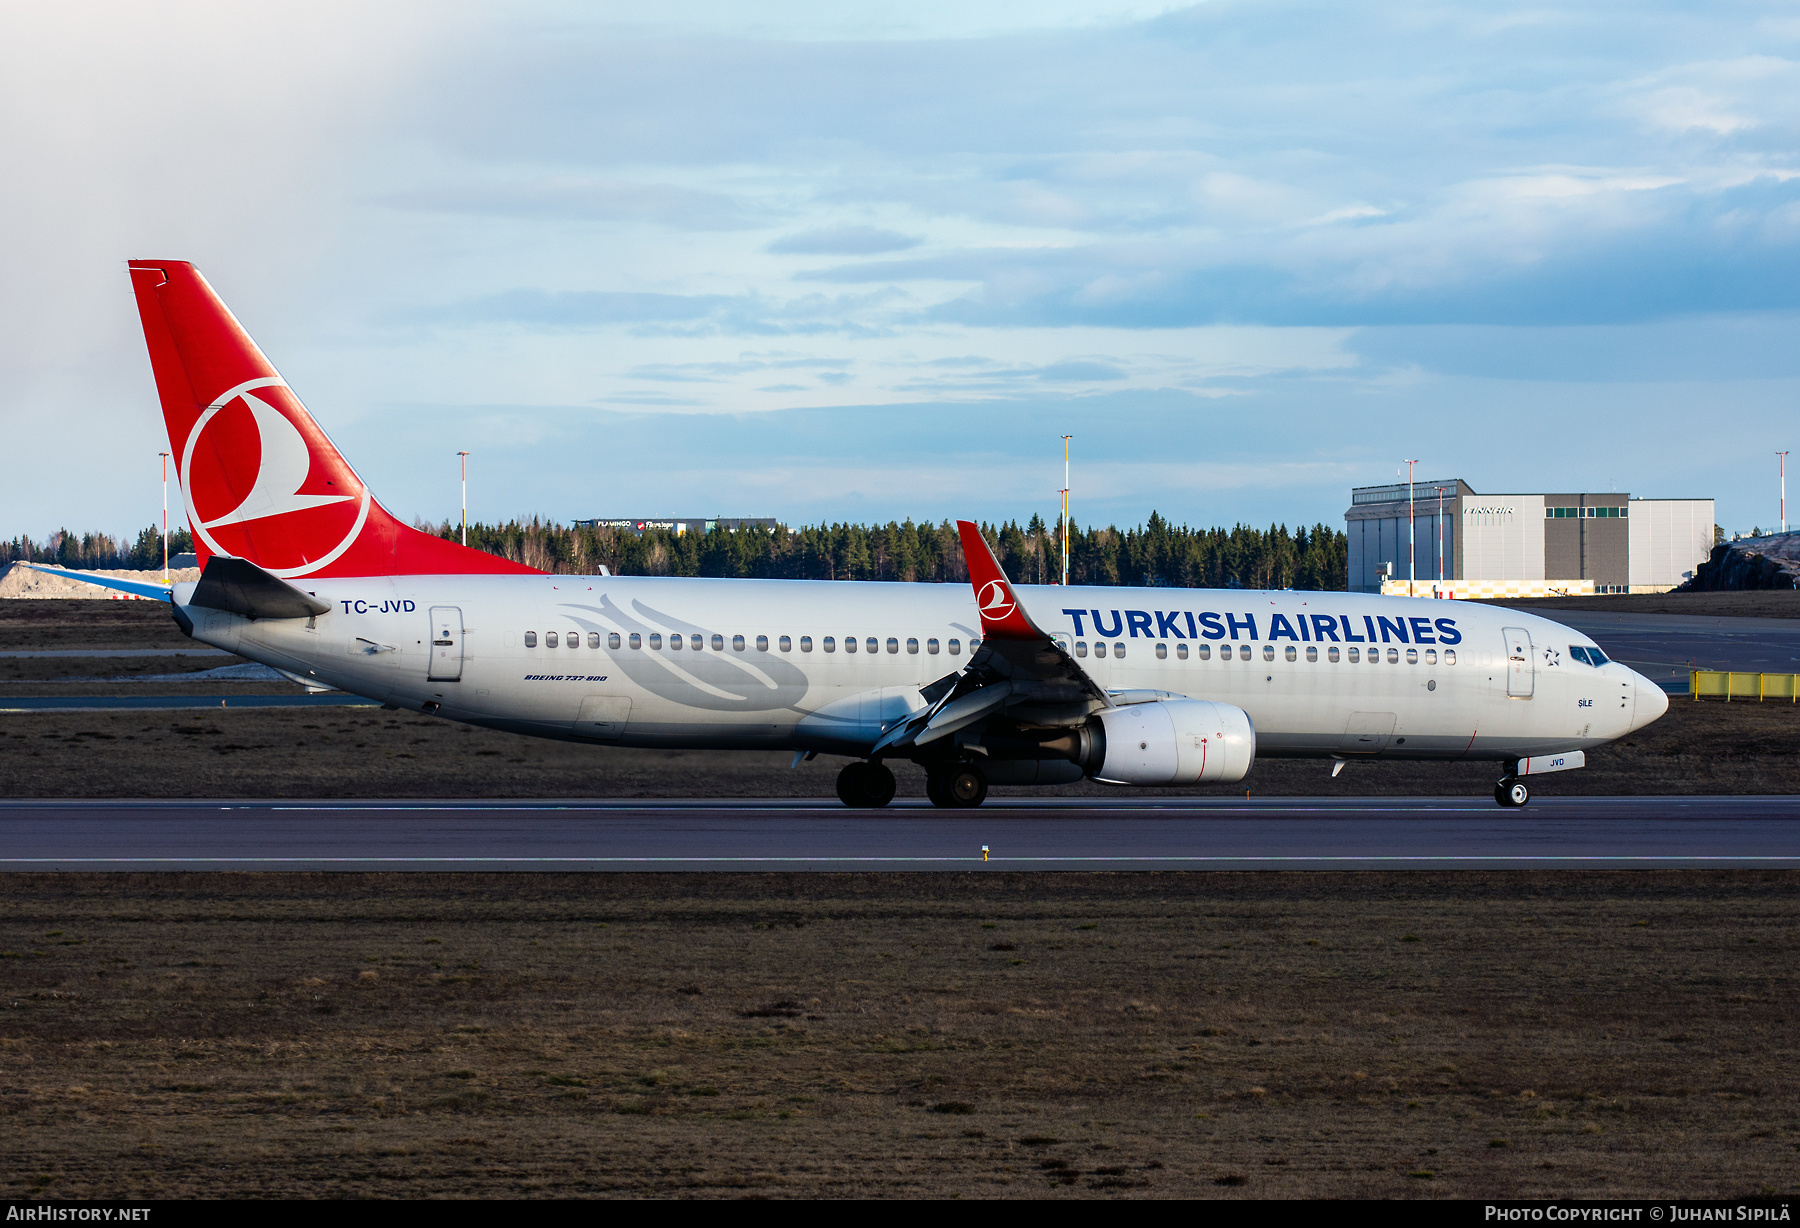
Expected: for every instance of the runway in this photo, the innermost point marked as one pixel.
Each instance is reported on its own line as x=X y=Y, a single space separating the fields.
x=1020 y=834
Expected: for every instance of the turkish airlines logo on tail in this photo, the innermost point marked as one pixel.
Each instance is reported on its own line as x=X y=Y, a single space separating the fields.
x=272 y=522
x=996 y=601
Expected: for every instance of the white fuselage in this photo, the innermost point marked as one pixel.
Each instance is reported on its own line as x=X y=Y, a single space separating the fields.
x=1320 y=674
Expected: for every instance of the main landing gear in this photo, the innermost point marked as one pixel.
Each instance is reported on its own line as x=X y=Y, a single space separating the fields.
x=1512 y=792
x=866 y=786
x=960 y=786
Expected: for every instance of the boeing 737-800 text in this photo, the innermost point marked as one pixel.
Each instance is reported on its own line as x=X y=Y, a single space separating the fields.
x=995 y=684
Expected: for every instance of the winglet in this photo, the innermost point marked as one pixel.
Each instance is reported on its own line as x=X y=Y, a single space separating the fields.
x=1001 y=614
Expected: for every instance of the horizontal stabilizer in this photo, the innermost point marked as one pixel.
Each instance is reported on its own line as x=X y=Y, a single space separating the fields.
x=137 y=588
x=239 y=586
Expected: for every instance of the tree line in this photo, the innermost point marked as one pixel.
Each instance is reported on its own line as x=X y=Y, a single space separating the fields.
x=1155 y=554
x=98 y=551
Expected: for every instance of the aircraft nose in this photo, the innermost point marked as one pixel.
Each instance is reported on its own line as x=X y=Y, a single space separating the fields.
x=1648 y=701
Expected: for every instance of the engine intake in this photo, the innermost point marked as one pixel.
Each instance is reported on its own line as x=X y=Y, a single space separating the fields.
x=1171 y=742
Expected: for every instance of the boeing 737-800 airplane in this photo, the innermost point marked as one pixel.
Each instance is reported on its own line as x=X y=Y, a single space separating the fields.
x=305 y=572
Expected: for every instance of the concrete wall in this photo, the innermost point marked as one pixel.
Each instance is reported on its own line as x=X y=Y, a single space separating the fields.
x=1669 y=539
x=1503 y=538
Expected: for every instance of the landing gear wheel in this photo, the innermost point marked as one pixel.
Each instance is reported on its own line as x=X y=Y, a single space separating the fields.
x=865 y=786
x=937 y=788
x=966 y=786
x=1512 y=793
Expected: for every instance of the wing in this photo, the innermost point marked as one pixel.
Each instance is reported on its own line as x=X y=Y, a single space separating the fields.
x=1019 y=671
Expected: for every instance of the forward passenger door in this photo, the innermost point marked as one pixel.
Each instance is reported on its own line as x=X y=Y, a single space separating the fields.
x=1521 y=670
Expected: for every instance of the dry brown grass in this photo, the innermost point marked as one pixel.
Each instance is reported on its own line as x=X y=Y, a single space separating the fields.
x=1524 y=1035
x=342 y=752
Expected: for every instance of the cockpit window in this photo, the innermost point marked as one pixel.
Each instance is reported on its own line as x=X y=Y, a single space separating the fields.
x=1592 y=656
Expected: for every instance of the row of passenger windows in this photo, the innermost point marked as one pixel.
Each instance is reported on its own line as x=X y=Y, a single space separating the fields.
x=785 y=643
x=1246 y=652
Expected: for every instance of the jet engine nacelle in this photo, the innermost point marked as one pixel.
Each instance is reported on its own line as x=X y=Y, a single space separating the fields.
x=1175 y=742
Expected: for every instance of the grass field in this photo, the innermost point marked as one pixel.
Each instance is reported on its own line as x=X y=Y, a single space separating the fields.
x=1418 y=1035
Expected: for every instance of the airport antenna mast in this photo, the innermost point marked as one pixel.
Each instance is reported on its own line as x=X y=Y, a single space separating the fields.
x=1412 y=549
x=1783 y=456
x=465 y=497
x=165 y=469
x=1065 y=511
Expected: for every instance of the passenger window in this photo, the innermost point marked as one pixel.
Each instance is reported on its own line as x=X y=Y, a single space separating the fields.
x=531 y=639
x=849 y=643
x=1355 y=655
x=874 y=645
x=1293 y=652
x=612 y=640
x=1393 y=656
x=762 y=643
x=955 y=648
x=1099 y=648
x=1331 y=654
x=655 y=640
x=829 y=644
x=973 y=645
x=1118 y=649
x=636 y=641
x=912 y=647
x=1181 y=651
x=1312 y=653
x=893 y=645
x=674 y=643
x=1268 y=652
x=1225 y=652
x=1203 y=651
x=1081 y=648
x=718 y=643
x=737 y=643
x=806 y=643
x=1162 y=652
x=1412 y=656
x=785 y=643
x=593 y=639
x=1450 y=656
x=1431 y=656
x=549 y=639
x=931 y=646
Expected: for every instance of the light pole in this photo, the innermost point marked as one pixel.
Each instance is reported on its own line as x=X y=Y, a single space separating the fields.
x=465 y=497
x=1783 y=456
x=1412 y=550
x=1440 y=544
x=165 y=469
x=1065 y=511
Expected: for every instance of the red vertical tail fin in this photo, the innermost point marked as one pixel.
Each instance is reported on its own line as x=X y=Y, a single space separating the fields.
x=260 y=479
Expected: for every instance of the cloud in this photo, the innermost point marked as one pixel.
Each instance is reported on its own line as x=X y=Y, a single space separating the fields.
x=585 y=199
x=842 y=241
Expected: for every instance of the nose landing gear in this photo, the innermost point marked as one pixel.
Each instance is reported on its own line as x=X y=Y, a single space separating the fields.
x=1512 y=792
x=865 y=786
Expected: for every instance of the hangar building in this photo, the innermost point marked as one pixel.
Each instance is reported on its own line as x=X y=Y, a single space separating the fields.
x=1522 y=545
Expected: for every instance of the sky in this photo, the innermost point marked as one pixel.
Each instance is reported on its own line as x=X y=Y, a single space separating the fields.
x=865 y=262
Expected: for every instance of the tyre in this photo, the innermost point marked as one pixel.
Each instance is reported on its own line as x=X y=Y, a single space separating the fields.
x=966 y=785
x=1511 y=793
x=937 y=788
x=865 y=786
x=851 y=784
x=879 y=783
